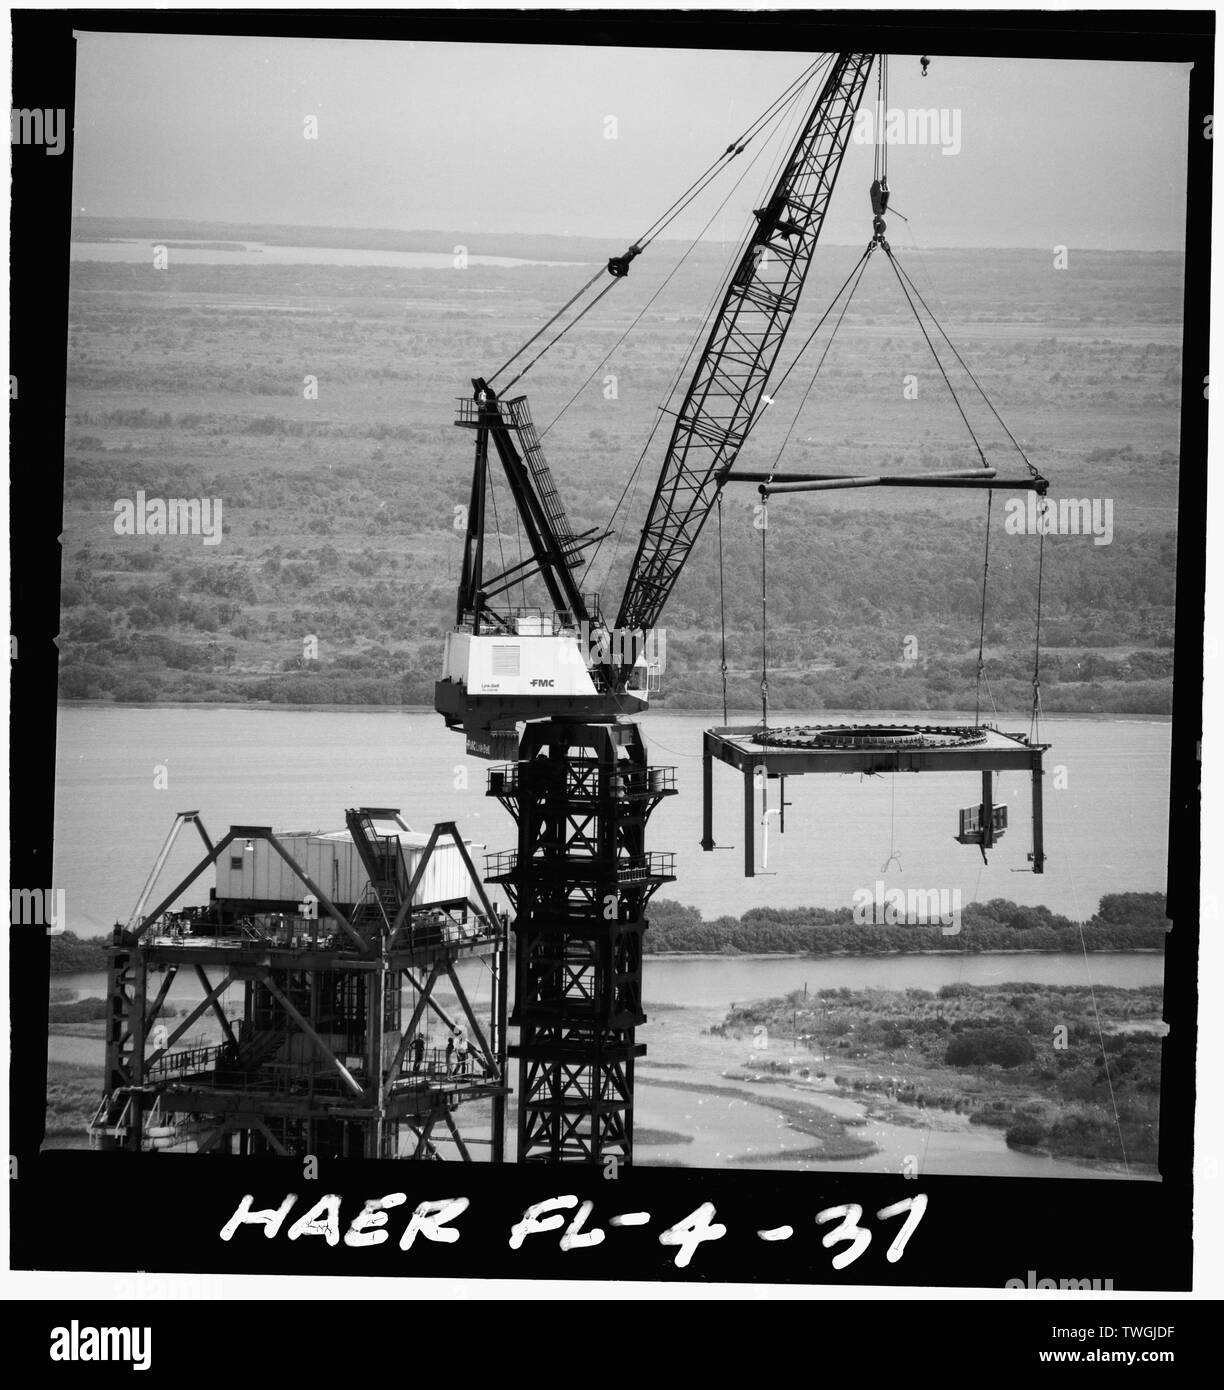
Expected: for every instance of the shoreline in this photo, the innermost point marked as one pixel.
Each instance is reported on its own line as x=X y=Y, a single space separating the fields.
x=891 y=955
x=272 y=706
x=820 y=955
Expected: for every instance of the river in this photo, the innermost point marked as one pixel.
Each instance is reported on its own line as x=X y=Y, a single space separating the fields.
x=732 y=1119
x=1106 y=831
x=133 y=252
x=1106 y=806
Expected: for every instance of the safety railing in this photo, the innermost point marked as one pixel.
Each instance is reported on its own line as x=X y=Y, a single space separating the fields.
x=643 y=868
x=501 y=864
x=191 y=1059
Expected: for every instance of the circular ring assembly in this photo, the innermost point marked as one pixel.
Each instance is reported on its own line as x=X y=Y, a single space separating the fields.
x=817 y=736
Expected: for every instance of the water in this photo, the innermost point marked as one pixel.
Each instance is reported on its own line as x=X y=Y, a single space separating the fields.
x=734 y=1120
x=717 y=982
x=1106 y=831
x=298 y=769
x=258 y=253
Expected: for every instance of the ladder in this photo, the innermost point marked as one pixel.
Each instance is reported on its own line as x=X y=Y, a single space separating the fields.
x=546 y=489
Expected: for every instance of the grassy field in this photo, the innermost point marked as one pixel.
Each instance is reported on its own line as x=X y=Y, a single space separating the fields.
x=339 y=499
x=73 y=1093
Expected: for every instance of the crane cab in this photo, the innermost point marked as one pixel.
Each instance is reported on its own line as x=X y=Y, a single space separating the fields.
x=536 y=665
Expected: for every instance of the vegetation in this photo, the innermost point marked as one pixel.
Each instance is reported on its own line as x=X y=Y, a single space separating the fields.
x=72 y=955
x=79 y=1011
x=339 y=518
x=1066 y=1069
x=73 y=1093
x=1122 y=922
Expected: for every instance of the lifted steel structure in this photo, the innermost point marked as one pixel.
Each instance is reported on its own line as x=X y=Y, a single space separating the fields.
x=866 y=748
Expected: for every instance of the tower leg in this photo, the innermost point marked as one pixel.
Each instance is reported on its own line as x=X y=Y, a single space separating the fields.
x=580 y=883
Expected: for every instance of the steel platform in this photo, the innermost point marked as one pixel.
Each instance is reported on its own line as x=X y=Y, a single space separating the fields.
x=865 y=747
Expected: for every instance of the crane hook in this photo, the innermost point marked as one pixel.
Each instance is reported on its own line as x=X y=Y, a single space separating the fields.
x=926 y=63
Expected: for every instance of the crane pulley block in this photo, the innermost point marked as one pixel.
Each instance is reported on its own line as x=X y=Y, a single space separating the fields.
x=618 y=266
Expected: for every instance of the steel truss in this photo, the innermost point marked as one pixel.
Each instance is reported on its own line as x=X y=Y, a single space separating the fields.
x=580 y=881
x=322 y=1060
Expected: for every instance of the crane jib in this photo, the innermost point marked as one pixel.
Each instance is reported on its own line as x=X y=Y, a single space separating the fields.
x=758 y=304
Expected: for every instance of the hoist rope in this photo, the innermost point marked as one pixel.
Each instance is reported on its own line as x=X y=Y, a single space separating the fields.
x=965 y=367
x=641 y=312
x=861 y=268
x=682 y=370
x=722 y=608
x=764 y=620
x=552 y=343
x=977 y=697
x=540 y=332
x=807 y=342
x=736 y=147
x=893 y=856
x=907 y=284
x=1035 y=717
x=497 y=523
x=880 y=168
x=764 y=763
x=661 y=223
x=947 y=382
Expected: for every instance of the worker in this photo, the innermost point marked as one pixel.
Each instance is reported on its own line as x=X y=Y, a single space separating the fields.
x=461 y=1054
x=418 y=1054
x=450 y=1055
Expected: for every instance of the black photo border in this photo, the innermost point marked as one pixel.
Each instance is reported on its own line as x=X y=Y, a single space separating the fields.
x=77 y=1211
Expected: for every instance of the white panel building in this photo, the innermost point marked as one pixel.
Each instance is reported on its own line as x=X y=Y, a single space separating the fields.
x=251 y=870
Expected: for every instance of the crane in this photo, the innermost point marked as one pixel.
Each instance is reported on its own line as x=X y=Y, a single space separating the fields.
x=577 y=779
x=613 y=672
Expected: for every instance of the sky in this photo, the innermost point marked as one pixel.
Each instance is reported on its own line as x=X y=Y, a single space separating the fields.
x=506 y=138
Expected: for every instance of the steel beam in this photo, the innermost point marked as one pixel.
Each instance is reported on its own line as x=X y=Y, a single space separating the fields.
x=304 y=1024
x=177 y=892
x=199 y=1009
x=216 y=1007
x=749 y=819
x=1038 y=821
x=262 y=832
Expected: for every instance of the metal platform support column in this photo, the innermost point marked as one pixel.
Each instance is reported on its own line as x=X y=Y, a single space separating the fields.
x=750 y=820
x=1038 y=820
x=987 y=809
x=580 y=881
x=707 y=793
x=121 y=1124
